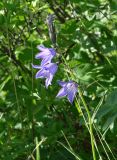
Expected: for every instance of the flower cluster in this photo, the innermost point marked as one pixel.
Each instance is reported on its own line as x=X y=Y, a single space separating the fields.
x=47 y=69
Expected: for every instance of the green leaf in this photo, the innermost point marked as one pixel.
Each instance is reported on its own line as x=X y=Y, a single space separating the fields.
x=2 y=85
x=108 y=111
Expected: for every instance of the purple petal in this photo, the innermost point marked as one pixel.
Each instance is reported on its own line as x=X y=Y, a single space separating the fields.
x=71 y=87
x=48 y=80
x=61 y=93
x=46 y=60
x=53 y=52
x=52 y=67
x=61 y=83
x=42 y=74
x=41 y=47
x=36 y=66
x=71 y=96
x=42 y=55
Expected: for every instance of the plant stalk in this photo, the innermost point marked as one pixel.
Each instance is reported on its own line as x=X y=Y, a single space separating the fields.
x=90 y=125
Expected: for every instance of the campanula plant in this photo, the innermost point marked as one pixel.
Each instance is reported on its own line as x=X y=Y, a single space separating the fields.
x=47 y=70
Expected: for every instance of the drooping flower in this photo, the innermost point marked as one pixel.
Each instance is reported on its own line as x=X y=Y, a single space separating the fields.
x=46 y=71
x=46 y=54
x=68 y=89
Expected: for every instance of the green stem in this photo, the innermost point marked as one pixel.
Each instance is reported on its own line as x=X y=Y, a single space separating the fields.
x=90 y=125
x=88 y=113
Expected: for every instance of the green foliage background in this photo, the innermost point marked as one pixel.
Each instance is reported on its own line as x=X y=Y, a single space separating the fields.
x=33 y=123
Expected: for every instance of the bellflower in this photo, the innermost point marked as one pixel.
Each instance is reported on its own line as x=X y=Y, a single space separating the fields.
x=68 y=89
x=46 y=71
x=46 y=54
